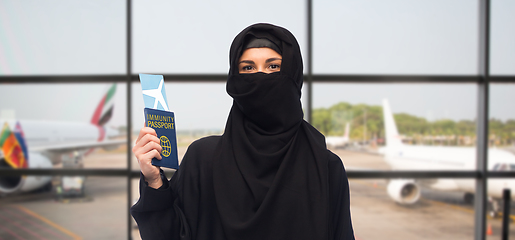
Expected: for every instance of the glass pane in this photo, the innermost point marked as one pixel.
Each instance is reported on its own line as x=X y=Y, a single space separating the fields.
x=67 y=125
x=502 y=58
x=194 y=37
x=427 y=125
x=56 y=213
x=436 y=214
x=502 y=117
x=395 y=37
x=62 y=37
x=501 y=154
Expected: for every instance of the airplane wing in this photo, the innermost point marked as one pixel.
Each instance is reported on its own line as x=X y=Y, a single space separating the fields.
x=78 y=146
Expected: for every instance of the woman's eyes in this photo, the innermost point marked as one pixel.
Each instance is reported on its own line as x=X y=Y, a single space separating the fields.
x=247 y=68
x=275 y=66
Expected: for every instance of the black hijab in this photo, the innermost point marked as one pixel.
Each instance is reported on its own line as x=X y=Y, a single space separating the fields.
x=270 y=174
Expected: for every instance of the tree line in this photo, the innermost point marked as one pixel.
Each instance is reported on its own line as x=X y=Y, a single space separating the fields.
x=366 y=123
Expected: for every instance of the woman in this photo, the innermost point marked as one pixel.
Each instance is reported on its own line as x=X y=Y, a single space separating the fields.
x=269 y=176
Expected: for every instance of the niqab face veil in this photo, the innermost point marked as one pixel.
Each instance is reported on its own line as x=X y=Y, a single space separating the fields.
x=270 y=175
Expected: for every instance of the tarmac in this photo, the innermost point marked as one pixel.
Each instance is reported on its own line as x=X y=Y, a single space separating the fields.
x=102 y=212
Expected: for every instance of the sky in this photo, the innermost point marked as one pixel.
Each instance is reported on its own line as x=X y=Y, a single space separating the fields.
x=58 y=37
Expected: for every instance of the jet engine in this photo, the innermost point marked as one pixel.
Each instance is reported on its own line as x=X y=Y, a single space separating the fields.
x=403 y=191
x=11 y=184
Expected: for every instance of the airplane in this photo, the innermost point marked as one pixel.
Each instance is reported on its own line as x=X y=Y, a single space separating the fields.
x=417 y=157
x=335 y=142
x=46 y=144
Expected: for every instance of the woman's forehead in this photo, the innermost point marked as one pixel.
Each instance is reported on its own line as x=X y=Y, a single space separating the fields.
x=262 y=52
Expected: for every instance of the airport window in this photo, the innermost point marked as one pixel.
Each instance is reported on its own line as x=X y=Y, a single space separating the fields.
x=502 y=122
x=60 y=113
x=395 y=37
x=435 y=215
x=446 y=70
x=502 y=36
x=63 y=38
x=59 y=213
x=354 y=121
x=172 y=50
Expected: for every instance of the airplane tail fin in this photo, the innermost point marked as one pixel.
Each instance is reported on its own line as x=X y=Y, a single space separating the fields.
x=20 y=136
x=390 y=128
x=104 y=110
x=13 y=148
x=347 y=131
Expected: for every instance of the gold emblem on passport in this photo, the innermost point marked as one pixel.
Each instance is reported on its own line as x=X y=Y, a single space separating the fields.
x=167 y=147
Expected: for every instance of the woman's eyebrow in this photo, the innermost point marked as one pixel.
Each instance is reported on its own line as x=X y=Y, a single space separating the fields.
x=273 y=59
x=246 y=61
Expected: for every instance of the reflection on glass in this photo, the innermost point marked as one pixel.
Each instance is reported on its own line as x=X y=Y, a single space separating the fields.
x=62 y=125
x=435 y=215
x=100 y=212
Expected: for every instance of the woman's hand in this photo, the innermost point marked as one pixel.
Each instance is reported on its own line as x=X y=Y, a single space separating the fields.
x=147 y=147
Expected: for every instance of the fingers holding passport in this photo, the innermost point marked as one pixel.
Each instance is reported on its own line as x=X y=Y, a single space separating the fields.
x=147 y=147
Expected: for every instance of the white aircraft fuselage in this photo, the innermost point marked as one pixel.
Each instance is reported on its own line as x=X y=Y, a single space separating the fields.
x=418 y=157
x=47 y=143
x=51 y=142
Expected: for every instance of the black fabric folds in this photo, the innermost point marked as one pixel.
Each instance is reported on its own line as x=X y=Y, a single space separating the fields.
x=269 y=101
x=271 y=170
x=261 y=42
